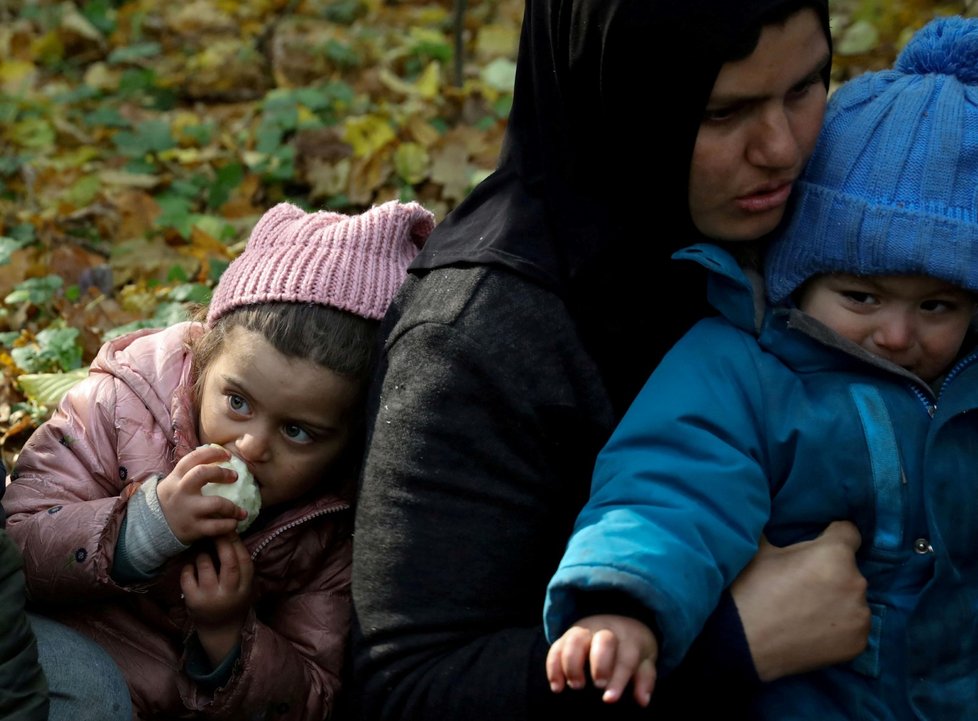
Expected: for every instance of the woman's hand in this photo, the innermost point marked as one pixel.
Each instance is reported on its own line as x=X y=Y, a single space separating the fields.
x=804 y=606
x=190 y=515
x=219 y=598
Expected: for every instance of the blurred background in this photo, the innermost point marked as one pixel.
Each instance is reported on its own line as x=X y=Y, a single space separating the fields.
x=139 y=142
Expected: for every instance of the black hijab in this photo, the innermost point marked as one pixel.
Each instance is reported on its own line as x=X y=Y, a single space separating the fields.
x=590 y=196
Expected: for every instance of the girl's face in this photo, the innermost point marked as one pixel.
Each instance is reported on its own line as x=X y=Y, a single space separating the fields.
x=288 y=419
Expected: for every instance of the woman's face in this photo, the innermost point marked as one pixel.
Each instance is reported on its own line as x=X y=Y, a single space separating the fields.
x=758 y=131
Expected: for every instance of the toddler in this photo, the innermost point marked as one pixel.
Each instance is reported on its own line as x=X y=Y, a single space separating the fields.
x=853 y=395
x=106 y=503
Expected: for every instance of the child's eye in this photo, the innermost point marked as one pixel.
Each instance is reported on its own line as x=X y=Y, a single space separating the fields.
x=296 y=433
x=935 y=305
x=237 y=404
x=860 y=297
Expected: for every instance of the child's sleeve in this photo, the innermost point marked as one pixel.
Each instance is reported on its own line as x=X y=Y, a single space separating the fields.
x=146 y=541
x=68 y=496
x=679 y=495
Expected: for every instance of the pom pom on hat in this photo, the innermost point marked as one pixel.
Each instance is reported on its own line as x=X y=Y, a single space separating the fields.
x=892 y=187
x=947 y=47
x=354 y=263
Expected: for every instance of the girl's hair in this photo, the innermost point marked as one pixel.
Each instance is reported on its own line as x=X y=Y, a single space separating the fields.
x=335 y=339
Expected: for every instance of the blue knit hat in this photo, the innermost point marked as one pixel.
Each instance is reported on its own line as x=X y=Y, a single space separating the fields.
x=892 y=187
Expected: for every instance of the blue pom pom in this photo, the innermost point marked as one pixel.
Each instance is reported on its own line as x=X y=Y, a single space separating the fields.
x=946 y=46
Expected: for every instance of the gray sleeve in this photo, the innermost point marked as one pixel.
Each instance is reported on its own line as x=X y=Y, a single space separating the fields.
x=146 y=541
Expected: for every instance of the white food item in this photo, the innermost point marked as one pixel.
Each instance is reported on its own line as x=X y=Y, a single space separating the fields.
x=243 y=492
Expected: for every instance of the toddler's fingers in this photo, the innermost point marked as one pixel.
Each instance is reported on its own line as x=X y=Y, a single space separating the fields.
x=603 y=657
x=577 y=645
x=644 y=682
x=555 y=674
x=625 y=668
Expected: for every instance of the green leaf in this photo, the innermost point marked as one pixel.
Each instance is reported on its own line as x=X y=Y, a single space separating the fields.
x=131 y=53
x=7 y=248
x=345 y=12
x=342 y=54
x=47 y=389
x=151 y=136
x=228 y=178
x=55 y=349
x=176 y=213
x=36 y=291
x=166 y=314
x=190 y=293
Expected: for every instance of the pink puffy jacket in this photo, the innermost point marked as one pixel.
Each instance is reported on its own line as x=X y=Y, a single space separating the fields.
x=131 y=419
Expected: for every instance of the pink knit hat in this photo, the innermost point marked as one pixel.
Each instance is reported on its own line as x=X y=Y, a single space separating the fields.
x=354 y=263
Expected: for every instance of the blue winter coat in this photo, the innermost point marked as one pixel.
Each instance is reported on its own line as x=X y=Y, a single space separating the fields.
x=764 y=421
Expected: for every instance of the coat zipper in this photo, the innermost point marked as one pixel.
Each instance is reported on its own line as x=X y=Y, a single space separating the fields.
x=292 y=524
x=930 y=403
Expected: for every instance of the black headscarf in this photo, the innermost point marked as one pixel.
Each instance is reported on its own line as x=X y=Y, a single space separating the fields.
x=590 y=196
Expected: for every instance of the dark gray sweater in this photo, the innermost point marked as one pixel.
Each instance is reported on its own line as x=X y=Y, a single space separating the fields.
x=484 y=427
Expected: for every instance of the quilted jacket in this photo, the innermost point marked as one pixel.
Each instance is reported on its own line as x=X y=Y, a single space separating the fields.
x=132 y=419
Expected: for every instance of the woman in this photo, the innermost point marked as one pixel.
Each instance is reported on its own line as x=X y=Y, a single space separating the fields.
x=524 y=332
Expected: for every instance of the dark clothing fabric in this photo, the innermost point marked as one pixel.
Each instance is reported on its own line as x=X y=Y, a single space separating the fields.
x=23 y=688
x=488 y=420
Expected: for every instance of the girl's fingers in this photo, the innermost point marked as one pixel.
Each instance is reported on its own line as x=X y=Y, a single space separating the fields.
x=188 y=579
x=206 y=573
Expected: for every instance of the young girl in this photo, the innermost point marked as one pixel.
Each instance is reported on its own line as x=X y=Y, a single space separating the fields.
x=106 y=503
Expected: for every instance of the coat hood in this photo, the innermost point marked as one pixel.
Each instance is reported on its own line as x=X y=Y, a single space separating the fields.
x=152 y=362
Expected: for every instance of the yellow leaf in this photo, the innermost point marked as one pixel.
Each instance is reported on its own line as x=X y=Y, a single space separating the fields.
x=411 y=162
x=430 y=81
x=497 y=40
x=450 y=168
x=367 y=134
x=16 y=75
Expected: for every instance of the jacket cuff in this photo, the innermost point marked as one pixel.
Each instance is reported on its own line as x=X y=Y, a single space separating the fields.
x=146 y=541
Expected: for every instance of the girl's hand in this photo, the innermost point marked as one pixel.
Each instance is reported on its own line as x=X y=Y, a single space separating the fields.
x=219 y=599
x=190 y=515
x=619 y=649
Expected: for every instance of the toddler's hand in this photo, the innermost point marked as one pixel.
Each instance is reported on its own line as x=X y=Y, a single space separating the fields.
x=219 y=598
x=190 y=515
x=620 y=649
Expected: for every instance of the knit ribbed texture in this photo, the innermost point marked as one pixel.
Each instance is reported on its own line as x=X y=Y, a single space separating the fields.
x=892 y=187
x=354 y=263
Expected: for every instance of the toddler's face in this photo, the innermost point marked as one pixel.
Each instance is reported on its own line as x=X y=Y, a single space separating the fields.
x=288 y=419
x=914 y=321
